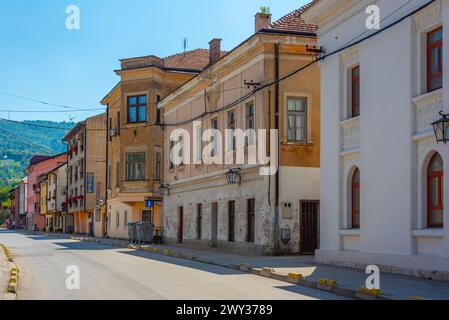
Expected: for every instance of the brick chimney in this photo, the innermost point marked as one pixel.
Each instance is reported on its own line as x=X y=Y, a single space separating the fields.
x=262 y=20
x=214 y=51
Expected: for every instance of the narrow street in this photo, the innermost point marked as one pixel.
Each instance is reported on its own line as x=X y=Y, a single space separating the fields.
x=117 y=273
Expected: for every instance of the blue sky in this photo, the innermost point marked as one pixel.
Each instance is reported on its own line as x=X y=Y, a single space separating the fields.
x=41 y=59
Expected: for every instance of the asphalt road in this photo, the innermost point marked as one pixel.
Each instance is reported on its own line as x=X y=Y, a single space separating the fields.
x=117 y=273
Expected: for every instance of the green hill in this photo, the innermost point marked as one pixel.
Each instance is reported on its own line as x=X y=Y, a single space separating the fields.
x=18 y=143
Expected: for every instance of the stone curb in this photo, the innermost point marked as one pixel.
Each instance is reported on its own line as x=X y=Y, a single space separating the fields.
x=327 y=285
x=12 y=289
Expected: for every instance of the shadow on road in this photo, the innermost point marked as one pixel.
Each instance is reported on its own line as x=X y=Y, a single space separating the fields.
x=311 y=292
x=80 y=246
x=184 y=263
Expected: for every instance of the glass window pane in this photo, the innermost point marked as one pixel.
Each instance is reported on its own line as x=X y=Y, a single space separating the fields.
x=291 y=104
x=142 y=114
x=142 y=99
x=356 y=177
x=437 y=217
x=356 y=72
x=436 y=164
x=436 y=36
x=132 y=100
x=132 y=114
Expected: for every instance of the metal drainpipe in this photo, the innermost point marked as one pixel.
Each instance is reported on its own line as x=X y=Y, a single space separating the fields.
x=276 y=126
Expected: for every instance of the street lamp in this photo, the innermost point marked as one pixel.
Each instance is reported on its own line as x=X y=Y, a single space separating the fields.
x=233 y=176
x=441 y=128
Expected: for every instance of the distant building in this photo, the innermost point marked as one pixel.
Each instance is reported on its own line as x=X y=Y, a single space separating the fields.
x=86 y=166
x=57 y=200
x=232 y=205
x=38 y=165
x=23 y=188
x=135 y=144
x=14 y=195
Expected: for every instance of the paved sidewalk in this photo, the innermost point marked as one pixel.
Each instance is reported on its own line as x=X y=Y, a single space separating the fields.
x=5 y=267
x=348 y=281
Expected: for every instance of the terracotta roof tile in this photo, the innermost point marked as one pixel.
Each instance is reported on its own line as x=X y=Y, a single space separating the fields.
x=197 y=59
x=294 y=22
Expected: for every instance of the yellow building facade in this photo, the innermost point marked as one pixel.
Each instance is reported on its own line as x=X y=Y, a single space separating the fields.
x=135 y=145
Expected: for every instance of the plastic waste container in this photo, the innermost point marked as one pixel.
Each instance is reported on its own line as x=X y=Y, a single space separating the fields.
x=144 y=232
x=132 y=232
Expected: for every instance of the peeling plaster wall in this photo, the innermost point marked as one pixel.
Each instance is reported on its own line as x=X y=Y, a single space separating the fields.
x=209 y=190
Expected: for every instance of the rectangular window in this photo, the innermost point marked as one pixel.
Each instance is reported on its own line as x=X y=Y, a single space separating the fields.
x=231 y=221
x=214 y=125
x=117 y=219
x=250 y=122
x=197 y=143
x=231 y=126
x=251 y=210
x=117 y=174
x=435 y=59
x=137 y=109
x=297 y=119
x=110 y=129
x=171 y=165
x=125 y=219
x=181 y=150
x=147 y=216
x=355 y=92
x=199 y=220
x=118 y=123
x=158 y=111
x=135 y=166
x=158 y=166
x=109 y=182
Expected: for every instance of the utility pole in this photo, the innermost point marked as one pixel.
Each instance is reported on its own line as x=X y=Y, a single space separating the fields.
x=276 y=126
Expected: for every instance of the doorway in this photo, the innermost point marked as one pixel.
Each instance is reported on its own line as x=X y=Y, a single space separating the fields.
x=309 y=227
x=180 y=224
x=214 y=223
x=231 y=224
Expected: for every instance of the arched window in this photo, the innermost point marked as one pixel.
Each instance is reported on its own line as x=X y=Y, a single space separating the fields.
x=435 y=192
x=355 y=199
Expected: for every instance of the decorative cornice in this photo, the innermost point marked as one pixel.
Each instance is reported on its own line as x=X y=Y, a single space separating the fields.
x=344 y=17
x=428 y=17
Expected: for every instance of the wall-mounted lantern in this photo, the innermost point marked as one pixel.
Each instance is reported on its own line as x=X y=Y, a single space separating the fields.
x=233 y=176
x=441 y=128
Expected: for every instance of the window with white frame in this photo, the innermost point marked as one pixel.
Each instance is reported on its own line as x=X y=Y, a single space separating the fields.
x=171 y=164
x=250 y=123
x=214 y=126
x=435 y=59
x=231 y=123
x=297 y=119
x=135 y=166
x=157 y=165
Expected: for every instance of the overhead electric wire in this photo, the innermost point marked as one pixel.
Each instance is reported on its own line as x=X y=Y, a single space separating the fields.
x=39 y=101
x=6 y=132
x=68 y=129
x=251 y=93
x=50 y=111
x=318 y=59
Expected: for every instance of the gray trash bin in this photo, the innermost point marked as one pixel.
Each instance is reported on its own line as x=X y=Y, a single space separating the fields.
x=144 y=232
x=132 y=232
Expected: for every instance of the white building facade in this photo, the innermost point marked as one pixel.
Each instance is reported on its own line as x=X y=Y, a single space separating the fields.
x=383 y=200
